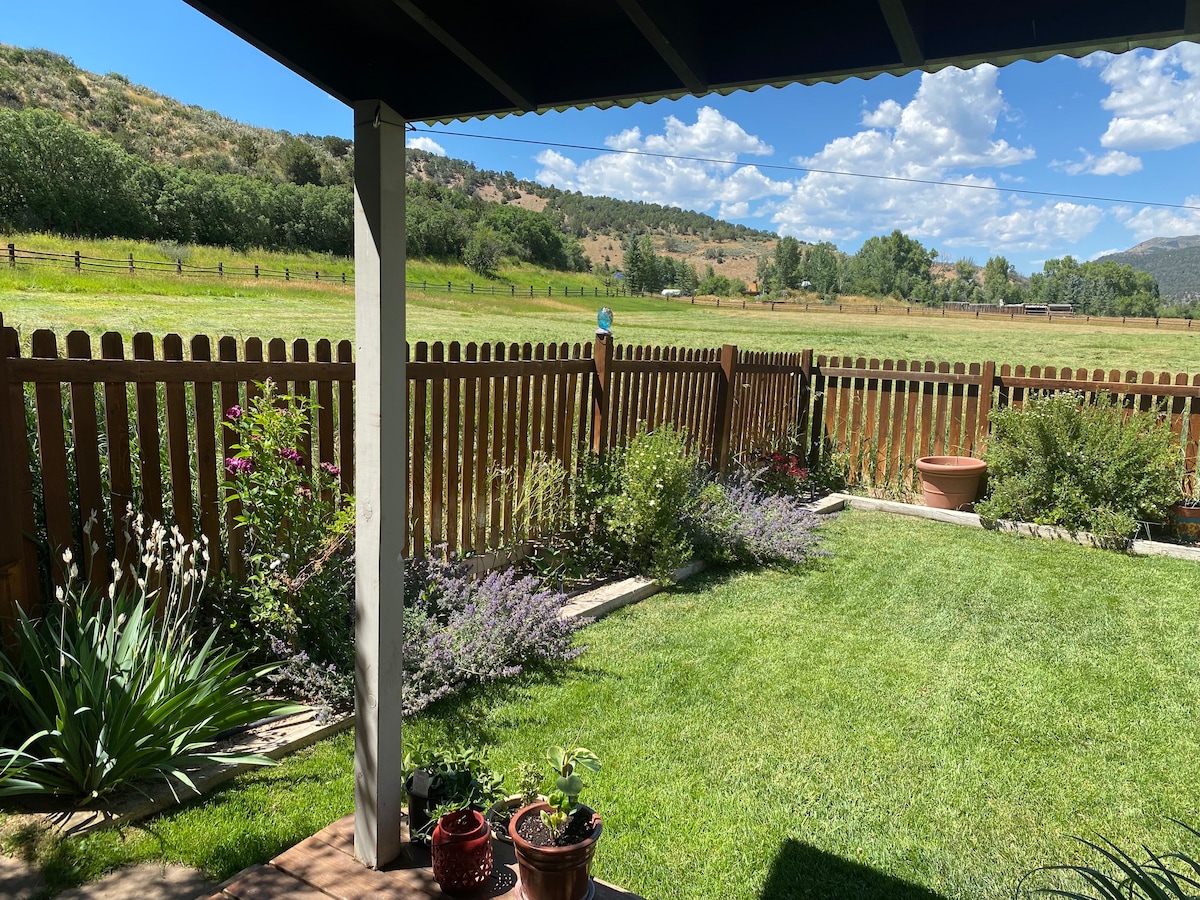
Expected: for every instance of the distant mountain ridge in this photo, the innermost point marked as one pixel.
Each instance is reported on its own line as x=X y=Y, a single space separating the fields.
x=1174 y=261
x=1183 y=242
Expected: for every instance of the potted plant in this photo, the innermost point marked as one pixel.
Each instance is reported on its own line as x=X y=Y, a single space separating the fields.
x=529 y=786
x=1185 y=520
x=461 y=850
x=443 y=780
x=555 y=839
x=951 y=482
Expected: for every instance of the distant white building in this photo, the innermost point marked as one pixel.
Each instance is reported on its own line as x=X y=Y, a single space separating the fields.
x=672 y=292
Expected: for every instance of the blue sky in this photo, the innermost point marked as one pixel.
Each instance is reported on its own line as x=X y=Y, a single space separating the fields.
x=1108 y=126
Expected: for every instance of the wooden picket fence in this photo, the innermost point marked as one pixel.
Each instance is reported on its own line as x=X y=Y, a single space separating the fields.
x=875 y=419
x=484 y=420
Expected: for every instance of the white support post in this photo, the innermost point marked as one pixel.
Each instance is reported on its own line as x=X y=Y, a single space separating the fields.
x=380 y=435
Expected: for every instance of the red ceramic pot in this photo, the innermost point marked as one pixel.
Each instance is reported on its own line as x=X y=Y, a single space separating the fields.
x=462 y=852
x=950 y=482
x=553 y=873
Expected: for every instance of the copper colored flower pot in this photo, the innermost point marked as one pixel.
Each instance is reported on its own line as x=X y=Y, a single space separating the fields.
x=553 y=873
x=951 y=482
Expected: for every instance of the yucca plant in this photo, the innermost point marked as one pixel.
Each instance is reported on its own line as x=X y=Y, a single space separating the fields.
x=1171 y=876
x=108 y=691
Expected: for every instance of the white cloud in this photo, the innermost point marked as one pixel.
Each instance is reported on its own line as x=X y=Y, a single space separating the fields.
x=676 y=182
x=1114 y=162
x=886 y=115
x=1108 y=252
x=1151 y=221
x=1154 y=98
x=428 y=144
x=1035 y=228
x=948 y=127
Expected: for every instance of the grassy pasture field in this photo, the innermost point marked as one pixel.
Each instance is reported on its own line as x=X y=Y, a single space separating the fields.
x=33 y=297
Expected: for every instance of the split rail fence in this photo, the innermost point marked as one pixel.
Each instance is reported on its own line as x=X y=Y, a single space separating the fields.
x=96 y=432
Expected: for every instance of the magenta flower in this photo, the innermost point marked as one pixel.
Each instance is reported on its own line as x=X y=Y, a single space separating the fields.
x=233 y=413
x=236 y=466
x=291 y=455
x=330 y=469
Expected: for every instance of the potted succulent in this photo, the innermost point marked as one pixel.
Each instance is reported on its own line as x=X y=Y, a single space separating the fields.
x=951 y=482
x=555 y=839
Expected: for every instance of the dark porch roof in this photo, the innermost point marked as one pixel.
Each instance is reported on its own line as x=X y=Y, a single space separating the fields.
x=455 y=59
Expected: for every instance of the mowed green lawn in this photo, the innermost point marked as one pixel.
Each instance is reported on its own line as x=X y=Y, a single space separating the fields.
x=929 y=712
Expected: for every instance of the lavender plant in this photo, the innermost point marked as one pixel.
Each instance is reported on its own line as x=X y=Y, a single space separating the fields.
x=460 y=631
x=741 y=523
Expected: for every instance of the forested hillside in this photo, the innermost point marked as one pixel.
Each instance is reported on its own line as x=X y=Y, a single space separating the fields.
x=1177 y=268
x=89 y=154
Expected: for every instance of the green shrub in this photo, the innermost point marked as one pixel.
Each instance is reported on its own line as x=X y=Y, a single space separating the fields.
x=650 y=517
x=1097 y=467
x=106 y=691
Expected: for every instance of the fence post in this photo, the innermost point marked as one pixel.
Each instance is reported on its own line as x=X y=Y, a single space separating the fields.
x=130 y=263
x=76 y=260
x=317 y=275
x=12 y=256
x=514 y=289
x=179 y=267
x=14 y=464
x=287 y=274
x=987 y=388
x=220 y=269
x=602 y=359
x=723 y=417
x=343 y=278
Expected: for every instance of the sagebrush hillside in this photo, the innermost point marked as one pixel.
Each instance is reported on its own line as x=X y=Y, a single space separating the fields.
x=183 y=173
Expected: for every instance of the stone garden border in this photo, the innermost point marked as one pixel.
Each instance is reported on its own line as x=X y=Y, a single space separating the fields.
x=835 y=502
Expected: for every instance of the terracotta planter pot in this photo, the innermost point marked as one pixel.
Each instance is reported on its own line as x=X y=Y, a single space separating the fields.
x=1185 y=522
x=462 y=852
x=553 y=873
x=951 y=482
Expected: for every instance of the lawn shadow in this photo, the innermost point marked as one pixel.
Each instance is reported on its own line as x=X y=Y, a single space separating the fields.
x=802 y=871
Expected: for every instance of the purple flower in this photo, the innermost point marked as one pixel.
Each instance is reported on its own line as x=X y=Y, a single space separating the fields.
x=233 y=413
x=330 y=469
x=291 y=455
x=236 y=466
x=304 y=492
